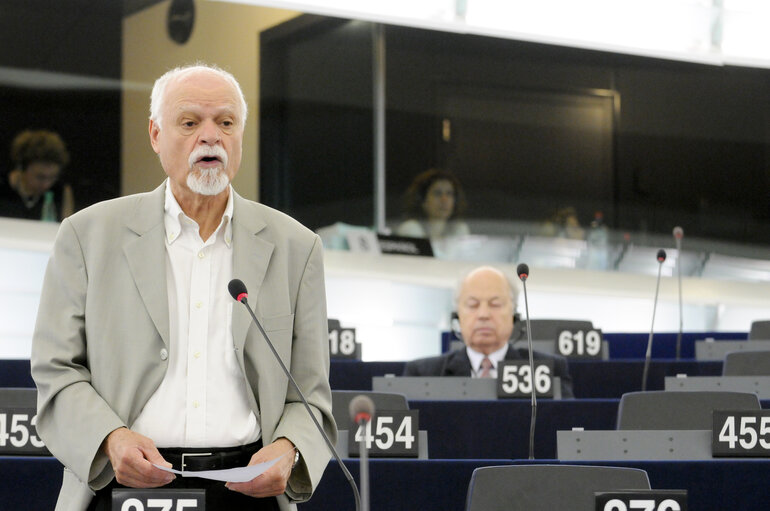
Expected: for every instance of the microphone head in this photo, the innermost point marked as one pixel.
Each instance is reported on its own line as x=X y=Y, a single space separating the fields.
x=361 y=409
x=678 y=232
x=661 y=255
x=238 y=290
x=522 y=270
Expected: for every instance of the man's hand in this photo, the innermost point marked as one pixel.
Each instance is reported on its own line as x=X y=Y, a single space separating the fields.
x=132 y=456
x=273 y=481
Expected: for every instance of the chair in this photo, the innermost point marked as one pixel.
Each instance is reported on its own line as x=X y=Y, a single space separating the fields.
x=760 y=330
x=547 y=487
x=747 y=363
x=547 y=329
x=678 y=410
x=382 y=401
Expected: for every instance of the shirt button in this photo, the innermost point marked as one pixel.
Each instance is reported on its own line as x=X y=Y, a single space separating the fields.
x=198 y=305
x=163 y=354
x=197 y=354
x=201 y=255
x=195 y=404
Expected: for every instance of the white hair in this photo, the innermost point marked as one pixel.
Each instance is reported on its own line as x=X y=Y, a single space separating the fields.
x=513 y=285
x=159 y=89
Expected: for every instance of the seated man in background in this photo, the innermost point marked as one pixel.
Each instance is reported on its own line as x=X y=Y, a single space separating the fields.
x=486 y=302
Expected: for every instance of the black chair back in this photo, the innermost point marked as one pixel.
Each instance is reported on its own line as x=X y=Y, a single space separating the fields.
x=547 y=487
x=760 y=330
x=747 y=363
x=678 y=410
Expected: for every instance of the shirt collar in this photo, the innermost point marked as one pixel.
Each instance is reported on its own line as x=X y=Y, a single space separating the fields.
x=174 y=216
x=476 y=357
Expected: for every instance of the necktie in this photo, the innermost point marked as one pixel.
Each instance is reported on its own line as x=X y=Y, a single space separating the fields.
x=486 y=367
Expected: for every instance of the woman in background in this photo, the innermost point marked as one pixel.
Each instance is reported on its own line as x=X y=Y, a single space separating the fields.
x=32 y=189
x=433 y=204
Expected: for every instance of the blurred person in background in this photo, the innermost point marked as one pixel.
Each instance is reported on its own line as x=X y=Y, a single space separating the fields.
x=434 y=203
x=564 y=223
x=33 y=188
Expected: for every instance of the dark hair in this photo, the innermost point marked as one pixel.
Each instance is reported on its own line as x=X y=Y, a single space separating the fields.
x=31 y=146
x=418 y=190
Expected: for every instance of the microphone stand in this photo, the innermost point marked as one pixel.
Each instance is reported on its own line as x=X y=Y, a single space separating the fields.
x=648 y=354
x=242 y=298
x=523 y=271
x=678 y=238
x=364 y=468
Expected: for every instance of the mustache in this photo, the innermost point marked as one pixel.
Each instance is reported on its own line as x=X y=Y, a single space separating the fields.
x=200 y=152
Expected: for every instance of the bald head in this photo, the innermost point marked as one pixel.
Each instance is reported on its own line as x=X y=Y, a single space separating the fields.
x=485 y=307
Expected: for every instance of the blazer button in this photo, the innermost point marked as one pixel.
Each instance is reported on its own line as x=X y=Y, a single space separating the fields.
x=163 y=354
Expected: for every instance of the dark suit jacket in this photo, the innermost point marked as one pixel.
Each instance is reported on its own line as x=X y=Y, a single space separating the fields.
x=457 y=363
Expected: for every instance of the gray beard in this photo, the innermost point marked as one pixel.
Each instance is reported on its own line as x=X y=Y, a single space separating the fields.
x=208 y=181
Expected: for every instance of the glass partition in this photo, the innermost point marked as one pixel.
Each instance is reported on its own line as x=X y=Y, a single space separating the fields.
x=566 y=157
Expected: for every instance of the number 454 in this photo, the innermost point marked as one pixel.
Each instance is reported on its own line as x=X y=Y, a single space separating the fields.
x=384 y=436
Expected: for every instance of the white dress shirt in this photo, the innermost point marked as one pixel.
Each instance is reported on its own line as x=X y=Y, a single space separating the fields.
x=495 y=357
x=203 y=398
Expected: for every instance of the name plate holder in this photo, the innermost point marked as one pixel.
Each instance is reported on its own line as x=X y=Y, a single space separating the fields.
x=343 y=343
x=389 y=434
x=343 y=445
x=581 y=344
x=158 y=499
x=641 y=500
x=515 y=379
x=547 y=346
x=709 y=349
x=759 y=385
x=741 y=433
x=445 y=388
x=653 y=445
x=18 y=415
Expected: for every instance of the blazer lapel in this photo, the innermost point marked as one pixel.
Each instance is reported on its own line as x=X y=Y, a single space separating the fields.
x=458 y=364
x=146 y=256
x=251 y=256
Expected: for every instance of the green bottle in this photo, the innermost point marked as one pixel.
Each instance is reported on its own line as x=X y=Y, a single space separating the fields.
x=49 y=208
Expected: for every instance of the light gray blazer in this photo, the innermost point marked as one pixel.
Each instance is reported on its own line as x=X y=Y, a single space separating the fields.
x=103 y=322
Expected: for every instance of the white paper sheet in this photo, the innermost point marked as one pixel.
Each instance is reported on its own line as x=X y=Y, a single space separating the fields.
x=232 y=475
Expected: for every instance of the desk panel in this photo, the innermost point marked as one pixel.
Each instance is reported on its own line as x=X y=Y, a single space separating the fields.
x=15 y=373
x=29 y=483
x=603 y=379
x=443 y=485
x=500 y=429
x=438 y=485
x=591 y=378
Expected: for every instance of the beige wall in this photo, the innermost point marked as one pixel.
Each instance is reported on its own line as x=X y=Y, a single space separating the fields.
x=224 y=34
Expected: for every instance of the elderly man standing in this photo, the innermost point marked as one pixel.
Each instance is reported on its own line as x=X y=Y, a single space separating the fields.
x=486 y=302
x=140 y=356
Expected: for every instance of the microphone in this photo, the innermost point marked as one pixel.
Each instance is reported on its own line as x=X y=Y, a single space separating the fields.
x=238 y=291
x=522 y=270
x=678 y=235
x=361 y=409
x=661 y=258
